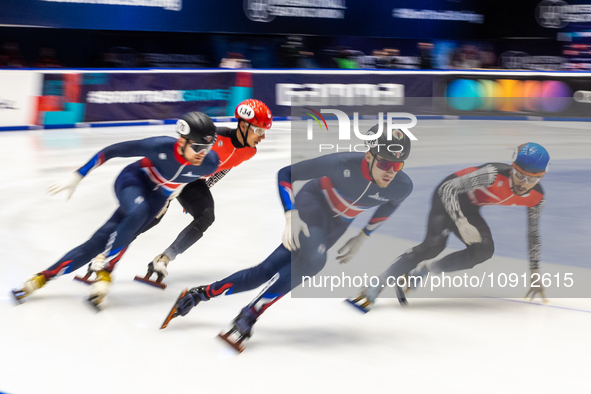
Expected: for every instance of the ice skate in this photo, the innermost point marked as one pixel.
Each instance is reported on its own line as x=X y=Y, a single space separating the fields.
x=186 y=301
x=241 y=329
x=416 y=277
x=95 y=265
x=362 y=302
x=158 y=267
x=36 y=282
x=100 y=289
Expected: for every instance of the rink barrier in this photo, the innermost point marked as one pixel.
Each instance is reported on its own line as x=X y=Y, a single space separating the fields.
x=155 y=122
x=69 y=98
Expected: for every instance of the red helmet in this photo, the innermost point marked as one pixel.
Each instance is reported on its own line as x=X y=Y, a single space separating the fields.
x=254 y=112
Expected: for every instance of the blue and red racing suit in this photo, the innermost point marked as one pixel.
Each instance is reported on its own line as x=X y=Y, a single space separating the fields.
x=142 y=189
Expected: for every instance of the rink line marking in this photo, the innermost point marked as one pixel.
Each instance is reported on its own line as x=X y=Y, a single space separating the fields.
x=546 y=305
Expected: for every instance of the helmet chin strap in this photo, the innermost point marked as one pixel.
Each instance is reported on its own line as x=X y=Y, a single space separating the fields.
x=243 y=134
x=184 y=149
x=370 y=166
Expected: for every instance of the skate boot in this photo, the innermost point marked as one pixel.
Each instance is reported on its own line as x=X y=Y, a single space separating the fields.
x=96 y=264
x=159 y=267
x=416 y=277
x=36 y=282
x=241 y=329
x=364 y=301
x=100 y=289
x=186 y=301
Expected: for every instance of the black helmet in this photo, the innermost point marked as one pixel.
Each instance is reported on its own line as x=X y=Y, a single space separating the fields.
x=396 y=149
x=197 y=127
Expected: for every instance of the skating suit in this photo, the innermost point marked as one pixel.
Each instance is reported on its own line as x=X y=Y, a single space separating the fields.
x=340 y=189
x=142 y=189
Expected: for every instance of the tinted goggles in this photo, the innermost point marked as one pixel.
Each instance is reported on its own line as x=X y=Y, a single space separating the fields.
x=201 y=148
x=385 y=165
x=520 y=176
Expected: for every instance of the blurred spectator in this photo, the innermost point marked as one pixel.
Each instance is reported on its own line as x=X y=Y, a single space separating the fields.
x=47 y=58
x=234 y=60
x=425 y=55
x=307 y=60
x=488 y=58
x=12 y=57
x=466 y=57
x=391 y=55
x=290 y=53
x=344 y=58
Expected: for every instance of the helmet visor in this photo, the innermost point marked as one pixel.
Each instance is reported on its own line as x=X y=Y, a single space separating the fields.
x=520 y=176
x=386 y=165
x=201 y=148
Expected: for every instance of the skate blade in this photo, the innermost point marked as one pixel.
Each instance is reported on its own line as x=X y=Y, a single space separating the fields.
x=172 y=314
x=84 y=279
x=357 y=306
x=401 y=296
x=156 y=283
x=235 y=344
x=97 y=307
x=15 y=294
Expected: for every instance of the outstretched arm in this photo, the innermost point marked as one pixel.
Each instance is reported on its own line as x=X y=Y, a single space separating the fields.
x=305 y=170
x=122 y=149
x=535 y=242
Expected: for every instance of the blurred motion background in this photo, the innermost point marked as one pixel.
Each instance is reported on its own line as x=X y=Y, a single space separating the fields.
x=69 y=67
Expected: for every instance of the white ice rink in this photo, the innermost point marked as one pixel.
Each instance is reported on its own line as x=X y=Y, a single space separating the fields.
x=54 y=343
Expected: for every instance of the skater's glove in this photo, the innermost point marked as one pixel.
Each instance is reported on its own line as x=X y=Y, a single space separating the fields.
x=293 y=227
x=160 y=263
x=185 y=304
x=349 y=250
x=536 y=288
x=69 y=184
x=98 y=263
x=469 y=233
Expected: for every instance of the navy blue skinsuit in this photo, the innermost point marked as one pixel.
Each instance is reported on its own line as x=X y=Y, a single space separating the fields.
x=340 y=188
x=142 y=189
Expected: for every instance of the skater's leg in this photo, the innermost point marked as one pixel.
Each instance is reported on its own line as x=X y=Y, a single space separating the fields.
x=85 y=252
x=251 y=278
x=197 y=200
x=138 y=205
x=473 y=254
x=439 y=225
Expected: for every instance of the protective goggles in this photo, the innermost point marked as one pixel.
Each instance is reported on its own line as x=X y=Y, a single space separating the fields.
x=385 y=165
x=258 y=131
x=520 y=176
x=200 y=148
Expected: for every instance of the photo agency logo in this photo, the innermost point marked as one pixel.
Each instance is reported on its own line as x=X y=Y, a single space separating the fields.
x=393 y=130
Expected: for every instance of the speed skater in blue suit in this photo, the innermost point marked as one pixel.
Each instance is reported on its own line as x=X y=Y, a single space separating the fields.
x=142 y=189
x=341 y=186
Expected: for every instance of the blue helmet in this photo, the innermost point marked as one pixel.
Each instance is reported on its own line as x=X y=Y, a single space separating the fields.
x=531 y=159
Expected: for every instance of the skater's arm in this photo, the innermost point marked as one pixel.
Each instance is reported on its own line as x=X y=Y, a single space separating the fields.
x=212 y=180
x=386 y=210
x=379 y=217
x=451 y=189
x=137 y=148
x=533 y=234
x=303 y=171
x=534 y=241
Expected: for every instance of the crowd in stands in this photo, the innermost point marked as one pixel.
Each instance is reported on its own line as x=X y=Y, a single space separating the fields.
x=291 y=53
